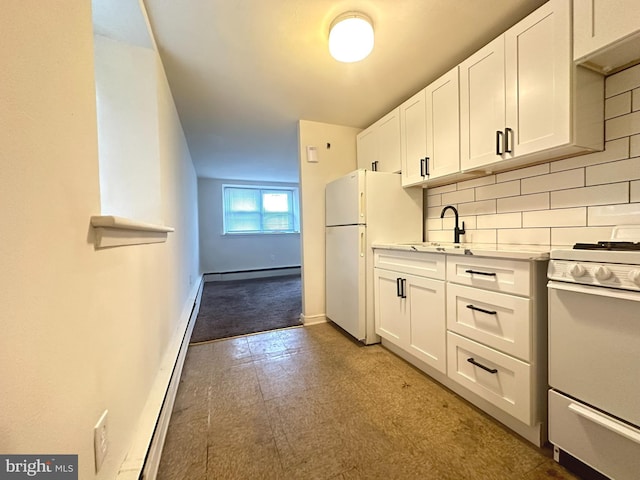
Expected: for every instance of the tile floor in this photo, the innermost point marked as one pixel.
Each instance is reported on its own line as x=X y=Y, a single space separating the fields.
x=309 y=403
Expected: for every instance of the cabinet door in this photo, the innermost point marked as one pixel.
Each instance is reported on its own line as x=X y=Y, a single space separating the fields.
x=413 y=126
x=538 y=74
x=443 y=125
x=599 y=23
x=427 y=322
x=367 y=147
x=482 y=106
x=389 y=142
x=390 y=307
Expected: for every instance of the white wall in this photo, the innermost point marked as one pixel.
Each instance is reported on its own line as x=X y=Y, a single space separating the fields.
x=573 y=200
x=230 y=253
x=127 y=105
x=334 y=162
x=83 y=330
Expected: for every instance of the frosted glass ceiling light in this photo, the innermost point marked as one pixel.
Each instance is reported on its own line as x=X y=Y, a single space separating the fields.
x=351 y=37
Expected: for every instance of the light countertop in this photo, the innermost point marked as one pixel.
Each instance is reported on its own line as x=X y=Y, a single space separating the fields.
x=517 y=252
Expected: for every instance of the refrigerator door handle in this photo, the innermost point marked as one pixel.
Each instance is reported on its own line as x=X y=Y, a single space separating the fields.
x=362 y=244
x=361 y=204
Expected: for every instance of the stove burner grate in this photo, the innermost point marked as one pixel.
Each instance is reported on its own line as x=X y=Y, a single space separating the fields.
x=608 y=245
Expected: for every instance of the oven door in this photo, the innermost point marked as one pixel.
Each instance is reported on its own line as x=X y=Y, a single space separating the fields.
x=594 y=347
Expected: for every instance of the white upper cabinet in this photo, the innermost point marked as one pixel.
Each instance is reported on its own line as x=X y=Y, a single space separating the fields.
x=429 y=124
x=482 y=106
x=389 y=142
x=378 y=147
x=413 y=139
x=521 y=98
x=367 y=148
x=538 y=81
x=606 y=33
x=443 y=125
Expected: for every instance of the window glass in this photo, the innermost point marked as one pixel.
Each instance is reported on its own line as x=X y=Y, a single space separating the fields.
x=260 y=209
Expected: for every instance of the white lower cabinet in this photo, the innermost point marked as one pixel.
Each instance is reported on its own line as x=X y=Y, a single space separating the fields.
x=427 y=321
x=410 y=310
x=476 y=324
x=390 y=306
x=498 y=378
x=494 y=338
x=498 y=320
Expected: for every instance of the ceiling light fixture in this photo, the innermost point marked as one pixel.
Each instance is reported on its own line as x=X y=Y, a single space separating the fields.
x=351 y=37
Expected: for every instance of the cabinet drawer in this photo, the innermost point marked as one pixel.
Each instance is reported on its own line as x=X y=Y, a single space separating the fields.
x=509 y=276
x=603 y=442
x=423 y=264
x=498 y=320
x=508 y=383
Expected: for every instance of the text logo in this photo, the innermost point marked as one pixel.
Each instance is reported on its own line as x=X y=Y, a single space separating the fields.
x=49 y=467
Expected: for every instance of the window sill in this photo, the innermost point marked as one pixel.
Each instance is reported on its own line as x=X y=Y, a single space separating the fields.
x=112 y=231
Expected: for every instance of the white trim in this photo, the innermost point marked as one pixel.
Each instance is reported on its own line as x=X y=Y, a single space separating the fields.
x=146 y=446
x=113 y=231
x=313 y=319
x=249 y=274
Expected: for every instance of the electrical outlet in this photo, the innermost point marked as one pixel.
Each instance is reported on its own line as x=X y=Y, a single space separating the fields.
x=101 y=440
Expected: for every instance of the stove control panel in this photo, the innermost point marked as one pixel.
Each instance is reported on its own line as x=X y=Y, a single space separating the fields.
x=611 y=275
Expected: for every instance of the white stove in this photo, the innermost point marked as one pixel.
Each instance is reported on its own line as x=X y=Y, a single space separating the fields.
x=594 y=356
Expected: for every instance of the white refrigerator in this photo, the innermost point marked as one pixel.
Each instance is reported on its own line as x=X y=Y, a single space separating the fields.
x=362 y=208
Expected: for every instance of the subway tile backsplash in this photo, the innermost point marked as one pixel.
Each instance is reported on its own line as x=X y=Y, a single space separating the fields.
x=635 y=191
x=562 y=202
x=623 y=81
x=618 y=105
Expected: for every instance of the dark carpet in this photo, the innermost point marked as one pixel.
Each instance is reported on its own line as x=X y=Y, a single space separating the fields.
x=239 y=307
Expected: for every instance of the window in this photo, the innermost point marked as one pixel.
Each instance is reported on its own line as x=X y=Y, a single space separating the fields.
x=249 y=209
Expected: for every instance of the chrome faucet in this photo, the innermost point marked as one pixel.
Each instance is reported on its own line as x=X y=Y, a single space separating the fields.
x=457 y=231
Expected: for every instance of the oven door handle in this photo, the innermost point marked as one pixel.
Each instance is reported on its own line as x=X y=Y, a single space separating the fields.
x=600 y=291
x=609 y=424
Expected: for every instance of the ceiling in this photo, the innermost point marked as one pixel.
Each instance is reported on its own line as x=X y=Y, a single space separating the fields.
x=243 y=72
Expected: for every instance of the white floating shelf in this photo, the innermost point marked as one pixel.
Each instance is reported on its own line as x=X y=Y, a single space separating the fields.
x=112 y=231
